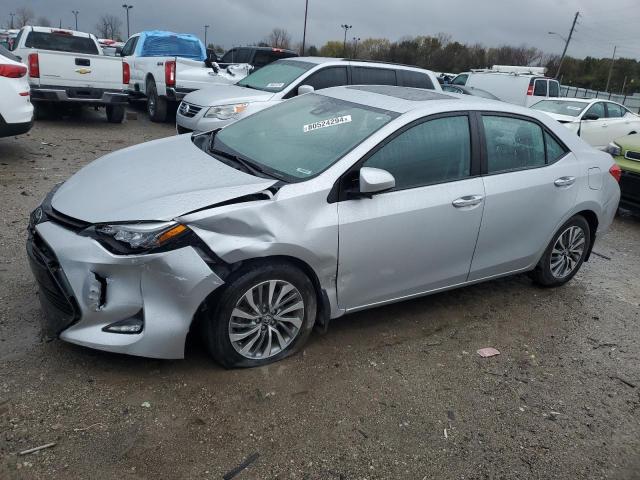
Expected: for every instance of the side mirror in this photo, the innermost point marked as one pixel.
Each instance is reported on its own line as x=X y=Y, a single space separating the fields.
x=590 y=116
x=302 y=89
x=374 y=180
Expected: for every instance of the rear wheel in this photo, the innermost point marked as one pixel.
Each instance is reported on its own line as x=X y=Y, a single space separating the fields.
x=156 y=106
x=565 y=254
x=115 y=113
x=266 y=313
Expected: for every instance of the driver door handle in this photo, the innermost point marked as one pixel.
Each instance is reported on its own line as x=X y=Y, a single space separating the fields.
x=467 y=201
x=564 y=181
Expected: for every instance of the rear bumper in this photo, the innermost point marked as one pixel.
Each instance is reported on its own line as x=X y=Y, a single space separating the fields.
x=95 y=96
x=84 y=288
x=630 y=191
x=10 y=129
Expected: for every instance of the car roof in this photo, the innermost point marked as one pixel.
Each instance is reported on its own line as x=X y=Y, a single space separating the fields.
x=406 y=99
x=363 y=63
x=577 y=100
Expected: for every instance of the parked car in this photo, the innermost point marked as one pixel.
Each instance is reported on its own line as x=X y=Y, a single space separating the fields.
x=626 y=152
x=329 y=203
x=16 y=111
x=476 y=92
x=597 y=122
x=518 y=85
x=165 y=66
x=257 y=57
x=220 y=105
x=66 y=66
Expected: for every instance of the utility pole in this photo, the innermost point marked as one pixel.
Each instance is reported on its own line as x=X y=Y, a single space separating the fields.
x=206 y=27
x=127 y=8
x=344 y=44
x=355 y=46
x=75 y=13
x=613 y=59
x=12 y=15
x=304 y=31
x=624 y=85
x=566 y=45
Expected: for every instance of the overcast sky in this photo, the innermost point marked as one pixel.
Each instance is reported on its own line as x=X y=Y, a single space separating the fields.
x=490 y=22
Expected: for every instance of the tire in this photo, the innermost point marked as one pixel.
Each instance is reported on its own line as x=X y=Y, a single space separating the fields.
x=41 y=111
x=156 y=106
x=291 y=286
x=575 y=232
x=115 y=113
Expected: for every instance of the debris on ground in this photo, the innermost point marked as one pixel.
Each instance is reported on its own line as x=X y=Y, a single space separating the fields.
x=488 y=352
x=145 y=405
x=248 y=461
x=624 y=380
x=37 y=449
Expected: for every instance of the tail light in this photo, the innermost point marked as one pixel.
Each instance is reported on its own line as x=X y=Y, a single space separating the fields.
x=126 y=73
x=13 y=71
x=170 y=73
x=530 y=89
x=616 y=172
x=34 y=65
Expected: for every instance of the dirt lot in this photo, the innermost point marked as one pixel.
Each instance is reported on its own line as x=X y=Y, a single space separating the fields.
x=395 y=392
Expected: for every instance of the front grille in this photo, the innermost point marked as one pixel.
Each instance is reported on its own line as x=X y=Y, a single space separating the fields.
x=189 y=110
x=632 y=155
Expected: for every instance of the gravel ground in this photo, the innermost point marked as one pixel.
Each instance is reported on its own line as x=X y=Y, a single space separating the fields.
x=394 y=392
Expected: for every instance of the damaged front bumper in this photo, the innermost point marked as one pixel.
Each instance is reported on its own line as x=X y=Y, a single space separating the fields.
x=84 y=288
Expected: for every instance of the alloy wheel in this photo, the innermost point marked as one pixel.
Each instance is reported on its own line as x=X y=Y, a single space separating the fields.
x=266 y=319
x=567 y=251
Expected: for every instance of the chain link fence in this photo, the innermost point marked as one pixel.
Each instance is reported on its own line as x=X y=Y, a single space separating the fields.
x=632 y=102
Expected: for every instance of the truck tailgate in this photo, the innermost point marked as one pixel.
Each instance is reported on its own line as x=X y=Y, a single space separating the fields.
x=80 y=70
x=194 y=75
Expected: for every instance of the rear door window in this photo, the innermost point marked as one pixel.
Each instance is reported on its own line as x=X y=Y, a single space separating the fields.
x=237 y=55
x=409 y=78
x=554 y=88
x=373 y=76
x=615 y=111
x=512 y=144
x=61 y=42
x=327 y=77
x=540 y=88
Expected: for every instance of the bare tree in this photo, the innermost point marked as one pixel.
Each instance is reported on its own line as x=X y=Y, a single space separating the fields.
x=43 y=22
x=109 y=26
x=24 y=16
x=279 y=38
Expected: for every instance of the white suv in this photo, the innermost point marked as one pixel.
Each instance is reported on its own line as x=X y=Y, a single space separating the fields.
x=219 y=105
x=16 y=110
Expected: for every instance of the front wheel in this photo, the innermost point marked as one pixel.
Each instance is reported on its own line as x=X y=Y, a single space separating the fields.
x=265 y=314
x=565 y=254
x=115 y=113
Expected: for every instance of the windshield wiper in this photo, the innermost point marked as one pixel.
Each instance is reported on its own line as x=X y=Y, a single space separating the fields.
x=246 y=165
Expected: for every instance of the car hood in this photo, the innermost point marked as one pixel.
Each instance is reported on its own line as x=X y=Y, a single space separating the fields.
x=225 y=95
x=158 y=180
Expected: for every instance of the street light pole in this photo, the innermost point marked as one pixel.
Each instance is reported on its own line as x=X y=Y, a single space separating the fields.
x=304 y=31
x=127 y=8
x=75 y=13
x=206 y=27
x=344 y=44
x=12 y=15
x=355 y=46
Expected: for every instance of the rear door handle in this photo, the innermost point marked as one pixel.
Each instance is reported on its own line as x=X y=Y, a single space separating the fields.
x=564 y=181
x=467 y=201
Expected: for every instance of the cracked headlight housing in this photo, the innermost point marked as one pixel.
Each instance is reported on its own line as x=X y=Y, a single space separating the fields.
x=139 y=238
x=225 y=112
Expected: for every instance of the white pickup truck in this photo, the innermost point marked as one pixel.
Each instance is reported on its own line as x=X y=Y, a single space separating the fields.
x=165 y=66
x=68 y=66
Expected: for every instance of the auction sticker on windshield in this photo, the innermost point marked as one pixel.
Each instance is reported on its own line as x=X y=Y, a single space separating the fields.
x=326 y=123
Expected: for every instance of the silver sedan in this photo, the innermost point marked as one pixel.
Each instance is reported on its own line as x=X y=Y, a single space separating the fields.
x=329 y=203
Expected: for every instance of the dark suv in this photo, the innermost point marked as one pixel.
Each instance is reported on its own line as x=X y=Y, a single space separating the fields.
x=256 y=56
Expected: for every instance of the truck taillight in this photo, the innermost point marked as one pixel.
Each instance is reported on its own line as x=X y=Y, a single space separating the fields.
x=126 y=73
x=13 y=71
x=616 y=172
x=170 y=73
x=34 y=65
x=530 y=90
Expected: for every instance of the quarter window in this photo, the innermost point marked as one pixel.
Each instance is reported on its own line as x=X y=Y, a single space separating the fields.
x=555 y=151
x=615 y=111
x=327 y=77
x=373 y=76
x=435 y=151
x=512 y=144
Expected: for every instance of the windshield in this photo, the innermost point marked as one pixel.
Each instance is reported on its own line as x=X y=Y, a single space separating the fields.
x=572 y=109
x=61 y=42
x=301 y=137
x=276 y=76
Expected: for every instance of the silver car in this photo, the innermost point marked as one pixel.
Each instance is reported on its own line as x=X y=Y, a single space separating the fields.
x=330 y=203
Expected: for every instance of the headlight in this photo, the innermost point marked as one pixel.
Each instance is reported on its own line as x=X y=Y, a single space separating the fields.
x=225 y=112
x=613 y=149
x=140 y=237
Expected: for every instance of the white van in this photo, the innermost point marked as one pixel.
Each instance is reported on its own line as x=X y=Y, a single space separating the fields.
x=518 y=85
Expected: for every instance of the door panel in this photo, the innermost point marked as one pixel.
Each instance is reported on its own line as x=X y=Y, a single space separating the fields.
x=595 y=132
x=405 y=242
